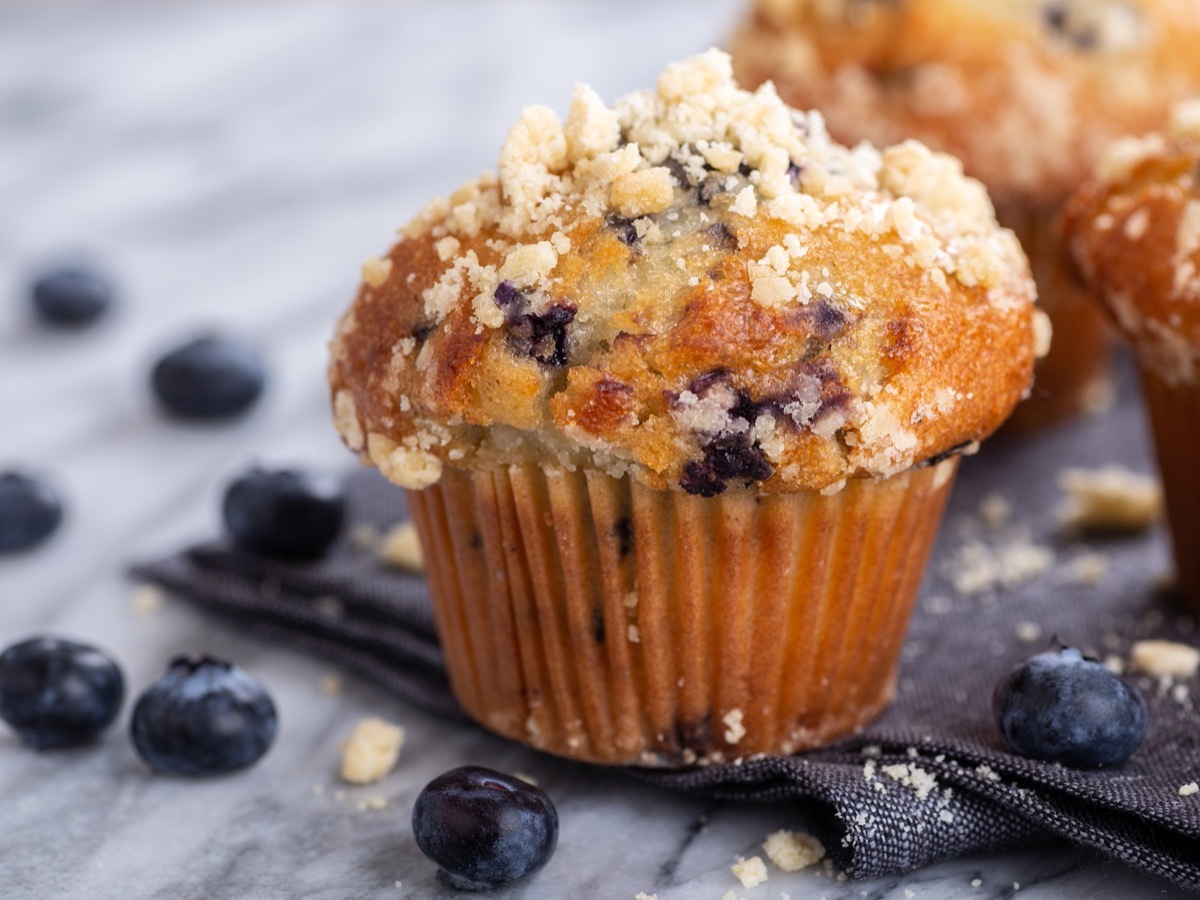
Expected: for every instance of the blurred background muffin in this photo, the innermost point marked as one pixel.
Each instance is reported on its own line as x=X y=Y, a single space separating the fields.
x=678 y=398
x=1024 y=92
x=1134 y=232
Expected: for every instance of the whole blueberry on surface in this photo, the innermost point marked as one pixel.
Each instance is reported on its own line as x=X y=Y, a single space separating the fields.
x=484 y=828
x=286 y=513
x=57 y=693
x=1061 y=707
x=204 y=717
x=30 y=511
x=209 y=378
x=72 y=295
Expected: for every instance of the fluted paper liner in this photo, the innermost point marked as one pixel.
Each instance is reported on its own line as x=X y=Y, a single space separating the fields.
x=598 y=619
x=1175 y=419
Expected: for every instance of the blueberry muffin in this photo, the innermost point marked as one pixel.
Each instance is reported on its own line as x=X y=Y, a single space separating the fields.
x=1024 y=92
x=678 y=397
x=1133 y=230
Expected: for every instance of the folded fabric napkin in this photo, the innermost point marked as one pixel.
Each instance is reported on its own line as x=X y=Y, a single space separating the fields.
x=931 y=778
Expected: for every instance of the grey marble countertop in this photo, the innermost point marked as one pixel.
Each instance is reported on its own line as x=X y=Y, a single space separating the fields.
x=232 y=164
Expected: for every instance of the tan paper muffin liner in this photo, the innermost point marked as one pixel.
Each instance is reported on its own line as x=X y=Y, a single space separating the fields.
x=1175 y=420
x=1074 y=376
x=601 y=620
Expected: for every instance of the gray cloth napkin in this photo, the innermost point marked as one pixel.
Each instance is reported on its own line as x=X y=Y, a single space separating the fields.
x=931 y=778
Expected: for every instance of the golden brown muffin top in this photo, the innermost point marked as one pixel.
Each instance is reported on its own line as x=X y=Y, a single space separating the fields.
x=1133 y=231
x=1025 y=92
x=697 y=287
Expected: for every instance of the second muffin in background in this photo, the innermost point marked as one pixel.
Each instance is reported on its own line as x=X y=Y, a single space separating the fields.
x=678 y=398
x=1025 y=92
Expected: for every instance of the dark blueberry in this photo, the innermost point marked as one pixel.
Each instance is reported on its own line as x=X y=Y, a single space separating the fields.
x=287 y=513
x=57 y=693
x=720 y=236
x=204 y=717
x=484 y=828
x=733 y=456
x=72 y=296
x=209 y=378
x=712 y=185
x=30 y=511
x=624 y=228
x=544 y=336
x=1061 y=707
x=506 y=292
x=700 y=479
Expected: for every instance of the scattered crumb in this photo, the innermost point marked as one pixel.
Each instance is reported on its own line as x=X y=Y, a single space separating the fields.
x=330 y=607
x=977 y=567
x=986 y=771
x=401 y=548
x=1099 y=397
x=1114 y=664
x=946 y=816
x=729 y=895
x=1028 y=632
x=976 y=882
x=750 y=872
x=1016 y=885
x=1164 y=658
x=912 y=776
x=642 y=895
x=909 y=894
x=373 y=802
x=399 y=885
x=1188 y=789
x=634 y=635
x=364 y=537
x=371 y=750
x=995 y=510
x=1111 y=498
x=791 y=851
x=331 y=684
x=147 y=599
x=1088 y=569
x=734 y=729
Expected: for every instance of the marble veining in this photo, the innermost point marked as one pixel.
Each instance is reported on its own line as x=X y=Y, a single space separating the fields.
x=232 y=163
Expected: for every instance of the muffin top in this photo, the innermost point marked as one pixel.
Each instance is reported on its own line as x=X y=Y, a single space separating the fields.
x=1025 y=92
x=1133 y=231
x=695 y=287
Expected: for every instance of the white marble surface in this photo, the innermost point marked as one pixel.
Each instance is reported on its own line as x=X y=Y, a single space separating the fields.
x=232 y=163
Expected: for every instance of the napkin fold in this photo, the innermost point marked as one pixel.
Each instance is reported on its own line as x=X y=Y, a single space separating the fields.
x=930 y=779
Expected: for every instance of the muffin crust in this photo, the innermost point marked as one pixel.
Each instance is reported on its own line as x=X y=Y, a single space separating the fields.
x=696 y=287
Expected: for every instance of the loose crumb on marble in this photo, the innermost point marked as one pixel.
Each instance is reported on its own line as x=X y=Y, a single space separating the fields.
x=371 y=750
x=750 y=872
x=331 y=684
x=1188 y=789
x=401 y=548
x=729 y=895
x=976 y=882
x=1164 y=659
x=792 y=851
x=147 y=599
x=642 y=895
x=909 y=894
x=1111 y=498
x=372 y=802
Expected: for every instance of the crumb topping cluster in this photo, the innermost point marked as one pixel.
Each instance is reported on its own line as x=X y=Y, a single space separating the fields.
x=697 y=286
x=1054 y=80
x=1134 y=233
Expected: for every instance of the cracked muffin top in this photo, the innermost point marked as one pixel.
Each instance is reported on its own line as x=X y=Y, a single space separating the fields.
x=1025 y=92
x=1133 y=231
x=695 y=287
